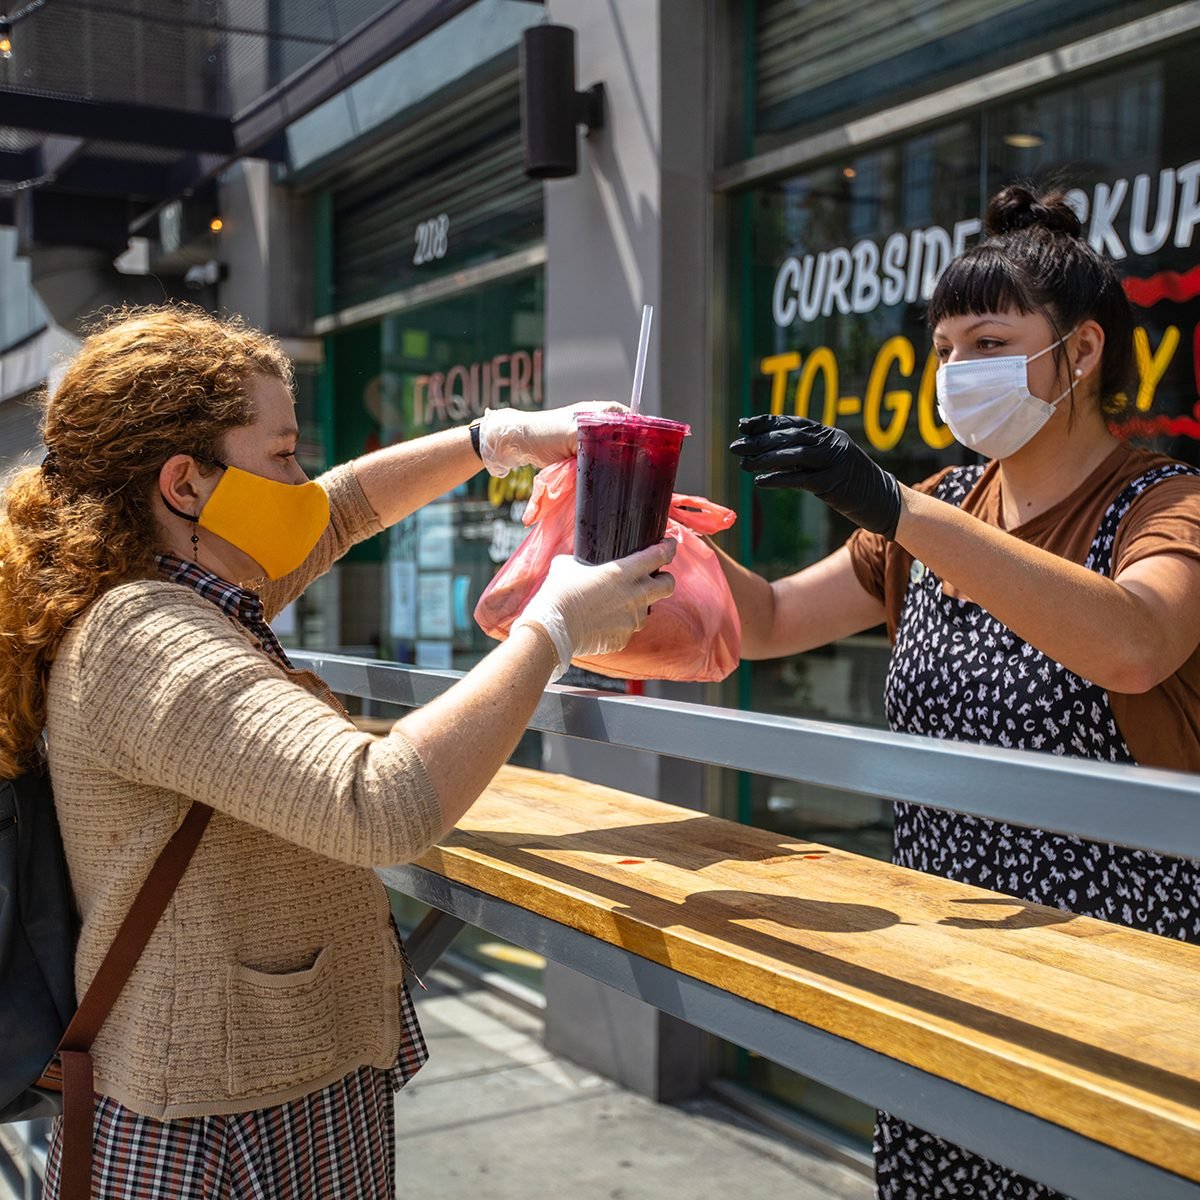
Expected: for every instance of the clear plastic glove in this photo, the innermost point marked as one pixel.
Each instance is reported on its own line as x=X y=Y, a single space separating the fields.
x=513 y=437
x=596 y=609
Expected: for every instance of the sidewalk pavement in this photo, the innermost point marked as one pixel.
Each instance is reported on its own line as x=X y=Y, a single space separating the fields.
x=494 y=1116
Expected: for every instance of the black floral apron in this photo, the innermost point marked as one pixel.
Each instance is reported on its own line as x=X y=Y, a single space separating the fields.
x=958 y=673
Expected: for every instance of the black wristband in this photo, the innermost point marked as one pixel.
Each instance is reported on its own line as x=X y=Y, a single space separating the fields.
x=474 y=431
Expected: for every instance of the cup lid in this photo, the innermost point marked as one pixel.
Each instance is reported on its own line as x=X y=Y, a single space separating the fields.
x=625 y=418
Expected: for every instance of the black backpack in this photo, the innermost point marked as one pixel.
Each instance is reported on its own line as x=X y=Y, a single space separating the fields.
x=45 y=1039
x=38 y=927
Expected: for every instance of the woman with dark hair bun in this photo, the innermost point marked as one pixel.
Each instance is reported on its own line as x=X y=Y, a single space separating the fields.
x=1043 y=601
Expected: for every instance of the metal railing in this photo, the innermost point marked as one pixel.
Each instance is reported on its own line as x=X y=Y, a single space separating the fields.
x=1152 y=810
x=1140 y=807
x=1148 y=809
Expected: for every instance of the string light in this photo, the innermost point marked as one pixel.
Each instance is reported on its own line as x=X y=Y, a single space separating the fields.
x=8 y=20
x=216 y=224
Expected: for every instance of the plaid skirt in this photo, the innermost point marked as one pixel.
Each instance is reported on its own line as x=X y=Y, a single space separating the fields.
x=336 y=1144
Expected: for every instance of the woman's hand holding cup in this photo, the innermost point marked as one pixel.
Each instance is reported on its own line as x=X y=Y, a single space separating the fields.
x=589 y=610
x=513 y=437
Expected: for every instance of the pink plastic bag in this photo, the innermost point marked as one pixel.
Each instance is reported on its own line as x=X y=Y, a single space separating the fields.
x=694 y=636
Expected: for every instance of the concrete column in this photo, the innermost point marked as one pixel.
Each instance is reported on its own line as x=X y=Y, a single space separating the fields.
x=632 y=228
x=264 y=246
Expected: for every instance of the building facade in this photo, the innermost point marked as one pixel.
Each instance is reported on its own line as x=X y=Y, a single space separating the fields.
x=783 y=180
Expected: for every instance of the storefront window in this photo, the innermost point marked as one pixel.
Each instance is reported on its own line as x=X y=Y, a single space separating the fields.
x=836 y=264
x=417 y=372
x=842 y=260
x=441 y=366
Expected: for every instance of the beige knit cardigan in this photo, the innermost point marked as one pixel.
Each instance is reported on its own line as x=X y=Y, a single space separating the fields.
x=274 y=969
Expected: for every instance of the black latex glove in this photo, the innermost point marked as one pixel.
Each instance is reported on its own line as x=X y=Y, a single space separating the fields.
x=794 y=452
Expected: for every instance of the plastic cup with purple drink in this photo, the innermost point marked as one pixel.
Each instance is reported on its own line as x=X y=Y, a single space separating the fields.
x=626 y=476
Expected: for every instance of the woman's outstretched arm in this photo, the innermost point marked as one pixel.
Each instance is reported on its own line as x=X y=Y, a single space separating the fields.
x=811 y=608
x=1126 y=634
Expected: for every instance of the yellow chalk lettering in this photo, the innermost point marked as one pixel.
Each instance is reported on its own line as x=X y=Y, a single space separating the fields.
x=821 y=359
x=778 y=367
x=934 y=434
x=896 y=351
x=1152 y=366
x=516 y=485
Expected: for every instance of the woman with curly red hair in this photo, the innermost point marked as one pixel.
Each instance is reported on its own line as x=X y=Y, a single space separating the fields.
x=257 y=1045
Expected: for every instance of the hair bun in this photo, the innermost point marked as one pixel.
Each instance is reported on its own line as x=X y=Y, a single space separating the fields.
x=1017 y=208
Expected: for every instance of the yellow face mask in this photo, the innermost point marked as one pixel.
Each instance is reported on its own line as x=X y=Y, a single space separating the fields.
x=276 y=524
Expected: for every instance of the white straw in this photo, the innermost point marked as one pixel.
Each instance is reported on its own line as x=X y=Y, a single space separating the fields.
x=639 y=369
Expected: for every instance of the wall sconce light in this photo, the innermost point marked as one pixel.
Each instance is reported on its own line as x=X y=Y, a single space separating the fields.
x=551 y=108
x=1025 y=141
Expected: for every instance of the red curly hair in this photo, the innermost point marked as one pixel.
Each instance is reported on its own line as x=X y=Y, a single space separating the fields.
x=146 y=384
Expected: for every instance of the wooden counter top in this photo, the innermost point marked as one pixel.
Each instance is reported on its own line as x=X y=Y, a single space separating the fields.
x=1083 y=1023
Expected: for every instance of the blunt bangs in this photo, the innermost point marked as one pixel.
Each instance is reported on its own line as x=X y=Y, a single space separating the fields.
x=984 y=280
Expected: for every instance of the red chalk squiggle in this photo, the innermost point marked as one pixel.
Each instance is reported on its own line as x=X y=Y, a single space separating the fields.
x=1179 y=288
x=1166 y=285
x=1162 y=425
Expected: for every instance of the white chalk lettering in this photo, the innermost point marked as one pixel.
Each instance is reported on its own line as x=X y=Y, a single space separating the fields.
x=962 y=231
x=1189 y=204
x=1077 y=198
x=938 y=253
x=1105 y=205
x=840 y=266
x=895 y=251
x=1141 y=239
x=906 y=266
x=812 y=284
x=783 y=298
x=912 y=289
x=865 y=295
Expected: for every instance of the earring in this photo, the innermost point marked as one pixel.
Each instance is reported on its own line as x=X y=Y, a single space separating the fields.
x=1078 y=372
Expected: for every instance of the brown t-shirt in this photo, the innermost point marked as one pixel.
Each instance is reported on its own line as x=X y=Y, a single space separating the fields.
x=1161 y=727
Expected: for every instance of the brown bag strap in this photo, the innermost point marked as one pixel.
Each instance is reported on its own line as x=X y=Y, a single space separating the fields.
x=75 y=1157
x=74 y=1048
x=140 y=922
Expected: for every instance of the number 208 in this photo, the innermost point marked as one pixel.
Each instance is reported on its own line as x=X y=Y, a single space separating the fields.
x=431 y=238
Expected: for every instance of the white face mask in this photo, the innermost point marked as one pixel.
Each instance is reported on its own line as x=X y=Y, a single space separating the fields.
x=988 y=405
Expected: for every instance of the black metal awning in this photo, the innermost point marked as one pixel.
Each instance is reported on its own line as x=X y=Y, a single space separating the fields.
x=109 y=108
